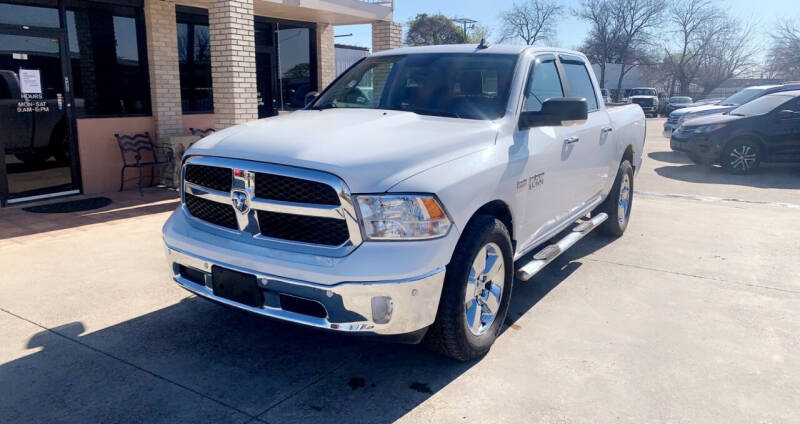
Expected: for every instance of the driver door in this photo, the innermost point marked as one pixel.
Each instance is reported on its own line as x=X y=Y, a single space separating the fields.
x=540 y=185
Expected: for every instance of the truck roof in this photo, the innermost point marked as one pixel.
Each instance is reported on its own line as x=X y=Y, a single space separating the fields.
x=472 y=48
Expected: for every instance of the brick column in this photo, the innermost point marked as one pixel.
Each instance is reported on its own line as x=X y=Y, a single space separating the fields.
x=233 y=62
x=326 y=56
x=386 y=35
x=162 y=55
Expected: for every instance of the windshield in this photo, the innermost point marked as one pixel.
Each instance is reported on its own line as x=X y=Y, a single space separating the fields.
x=680 y=100
x=458 y=85
x=760 y=105
x=642 y=92
x=742 y=97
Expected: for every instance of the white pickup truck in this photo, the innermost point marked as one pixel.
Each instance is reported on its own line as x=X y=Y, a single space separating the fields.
x=406 y=197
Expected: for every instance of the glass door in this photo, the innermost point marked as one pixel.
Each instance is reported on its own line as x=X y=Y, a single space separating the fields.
x=265 y=69
x=35 y=148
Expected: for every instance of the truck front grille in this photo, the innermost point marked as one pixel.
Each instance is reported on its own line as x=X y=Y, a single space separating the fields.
x=297 y=208
x=288 y=189
x=304 y=229
x=213 y=177
x=643 y=102
x=213 y=212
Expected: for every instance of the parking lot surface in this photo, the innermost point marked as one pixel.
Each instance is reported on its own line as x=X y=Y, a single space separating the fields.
x=692 y=316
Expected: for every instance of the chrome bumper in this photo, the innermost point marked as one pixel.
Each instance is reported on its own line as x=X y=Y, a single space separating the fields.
x=355 y=307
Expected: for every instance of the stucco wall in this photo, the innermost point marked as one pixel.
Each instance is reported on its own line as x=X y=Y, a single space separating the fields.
x=99 y=153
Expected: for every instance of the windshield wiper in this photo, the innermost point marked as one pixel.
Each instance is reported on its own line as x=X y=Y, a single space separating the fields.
x=431 y=112
x=323 y=107
x=735 y=114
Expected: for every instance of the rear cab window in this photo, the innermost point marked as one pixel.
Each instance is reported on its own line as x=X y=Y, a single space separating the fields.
x=578 y=80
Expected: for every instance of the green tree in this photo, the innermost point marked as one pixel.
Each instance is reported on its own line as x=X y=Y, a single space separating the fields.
x=427 y=30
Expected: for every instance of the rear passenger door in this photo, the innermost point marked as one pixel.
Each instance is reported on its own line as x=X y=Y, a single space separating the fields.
x=587 y=150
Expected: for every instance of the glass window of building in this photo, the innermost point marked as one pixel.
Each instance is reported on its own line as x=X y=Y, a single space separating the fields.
x=37 y=14
x=108 y=59
x=297 y=63
x=194 y=60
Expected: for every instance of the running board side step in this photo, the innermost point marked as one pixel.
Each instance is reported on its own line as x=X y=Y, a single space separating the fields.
x=550 y=252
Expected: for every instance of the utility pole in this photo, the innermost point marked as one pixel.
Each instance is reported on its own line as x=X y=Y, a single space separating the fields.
x=464 y=22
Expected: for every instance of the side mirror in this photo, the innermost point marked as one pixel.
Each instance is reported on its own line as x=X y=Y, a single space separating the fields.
x=310 y=96
x=556 y=112
x=788 y=114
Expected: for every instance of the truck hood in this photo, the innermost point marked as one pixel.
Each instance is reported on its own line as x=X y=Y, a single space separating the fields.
x=704 y=109
x=711 y=119
x=643 y=97
x=371 y=150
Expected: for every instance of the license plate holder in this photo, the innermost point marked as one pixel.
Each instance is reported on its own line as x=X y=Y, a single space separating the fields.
x=236 y=286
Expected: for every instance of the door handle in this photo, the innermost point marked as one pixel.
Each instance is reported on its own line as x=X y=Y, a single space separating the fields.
x=606 y=130
x=571 y=140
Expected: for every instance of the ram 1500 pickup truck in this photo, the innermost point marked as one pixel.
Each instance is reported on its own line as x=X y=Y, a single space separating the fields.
x=406 y=198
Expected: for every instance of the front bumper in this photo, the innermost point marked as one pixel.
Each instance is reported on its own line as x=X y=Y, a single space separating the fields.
x=349 y=306
x=699 y=146
x=669 y=128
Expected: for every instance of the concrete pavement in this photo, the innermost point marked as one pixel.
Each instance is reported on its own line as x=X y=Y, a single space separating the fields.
x=692 y=316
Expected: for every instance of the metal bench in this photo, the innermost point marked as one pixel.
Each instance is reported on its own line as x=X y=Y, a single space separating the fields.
x=139 y=151
x=202 y=132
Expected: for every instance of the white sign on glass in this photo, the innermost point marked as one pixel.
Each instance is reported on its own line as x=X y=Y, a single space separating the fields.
x=30 y=81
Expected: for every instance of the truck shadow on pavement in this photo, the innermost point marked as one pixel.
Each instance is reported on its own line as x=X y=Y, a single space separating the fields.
x=195 y=361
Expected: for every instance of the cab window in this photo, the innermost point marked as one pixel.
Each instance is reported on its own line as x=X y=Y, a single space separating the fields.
x=580 y=85
x=543 y=83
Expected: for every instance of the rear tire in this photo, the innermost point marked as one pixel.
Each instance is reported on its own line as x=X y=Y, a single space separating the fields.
x=472 y=284
x=619 y=202
x=741 y=156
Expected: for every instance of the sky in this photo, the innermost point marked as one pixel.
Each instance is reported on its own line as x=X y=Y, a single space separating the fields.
x=571 y=31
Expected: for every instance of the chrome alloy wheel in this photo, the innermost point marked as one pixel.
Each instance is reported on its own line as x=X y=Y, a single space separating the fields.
x=624 y=202
x=484 y=288
x=743 y=157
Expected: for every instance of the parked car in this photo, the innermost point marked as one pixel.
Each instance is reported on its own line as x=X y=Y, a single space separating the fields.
x=677 y=102
x=766 y=129
x=679 y=116
x=34 y=127
x=403 y=214
x=647 y=98
x=606 y=95
x=709 y=101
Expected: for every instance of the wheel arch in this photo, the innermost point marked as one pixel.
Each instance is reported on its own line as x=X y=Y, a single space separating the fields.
x=501 y=211
x=762 y=145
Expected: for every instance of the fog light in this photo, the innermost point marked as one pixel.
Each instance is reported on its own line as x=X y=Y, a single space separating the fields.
x=382 y=309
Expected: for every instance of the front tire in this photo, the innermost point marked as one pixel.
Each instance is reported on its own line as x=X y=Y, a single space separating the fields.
x=619 y=202
x=476 y=294
x=741 y=156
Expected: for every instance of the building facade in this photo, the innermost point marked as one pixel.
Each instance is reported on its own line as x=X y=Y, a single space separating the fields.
x=73 y=73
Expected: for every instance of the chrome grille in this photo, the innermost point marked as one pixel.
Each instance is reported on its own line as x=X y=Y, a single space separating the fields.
x=212 y=177
x=213 y=212
x=285 y=207
x=288 y=189
x=673 y=119
x=306 y=229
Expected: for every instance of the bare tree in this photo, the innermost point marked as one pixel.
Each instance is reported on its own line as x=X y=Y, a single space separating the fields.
x=727 y=56
x=784 y=56
x=635 y=19
x=696 y=24
x=600 y=45
x=531 y=21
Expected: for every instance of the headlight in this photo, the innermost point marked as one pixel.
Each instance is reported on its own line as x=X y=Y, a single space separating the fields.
x=705 y=129
x=402 y=217
x=687 y=117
